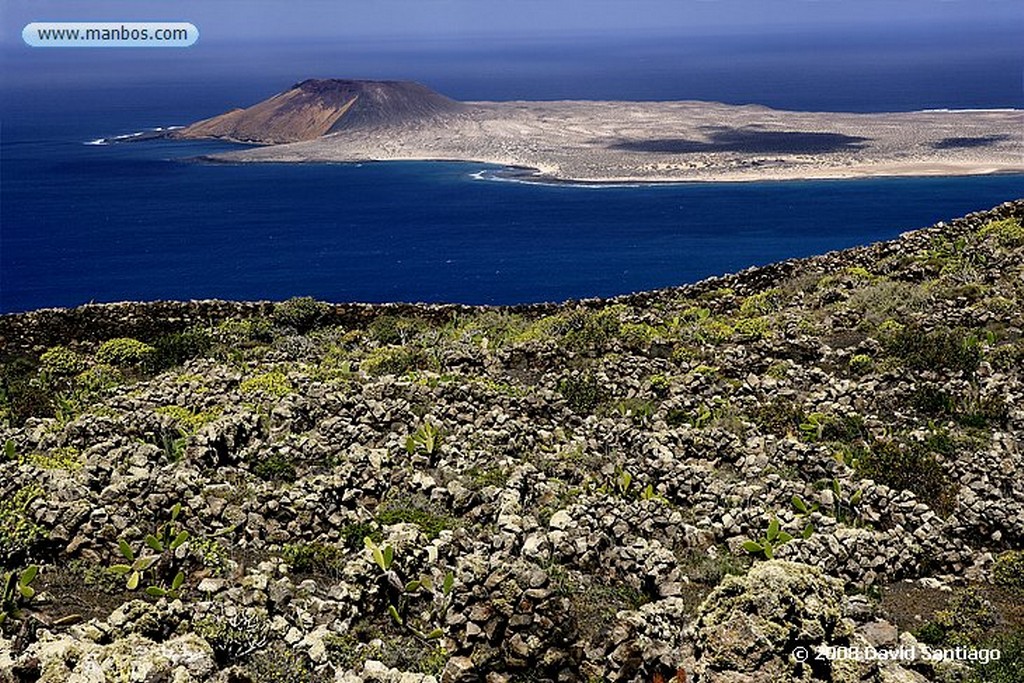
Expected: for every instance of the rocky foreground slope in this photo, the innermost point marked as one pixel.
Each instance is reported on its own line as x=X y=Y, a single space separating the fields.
x=707 y=483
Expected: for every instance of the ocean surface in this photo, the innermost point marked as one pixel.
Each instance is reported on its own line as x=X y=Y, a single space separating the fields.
x=138 y=221
x=84 y=222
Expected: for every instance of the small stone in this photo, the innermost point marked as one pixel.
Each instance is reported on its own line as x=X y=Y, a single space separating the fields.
x=879 y=633
x=459 y=670
x=560 y=520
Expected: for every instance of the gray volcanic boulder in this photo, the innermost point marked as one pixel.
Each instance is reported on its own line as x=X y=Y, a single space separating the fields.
x=749 y=626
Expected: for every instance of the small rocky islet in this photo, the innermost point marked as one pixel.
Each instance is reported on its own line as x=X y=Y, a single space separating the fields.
x=703 y=483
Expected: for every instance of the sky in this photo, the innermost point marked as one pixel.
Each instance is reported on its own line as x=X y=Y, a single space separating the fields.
x=545 y=49
x=255 y=20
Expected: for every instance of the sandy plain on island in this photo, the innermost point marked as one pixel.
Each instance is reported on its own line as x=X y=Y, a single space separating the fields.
x=615 y=142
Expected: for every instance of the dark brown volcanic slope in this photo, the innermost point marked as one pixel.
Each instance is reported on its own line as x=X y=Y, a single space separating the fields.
x=315 y=107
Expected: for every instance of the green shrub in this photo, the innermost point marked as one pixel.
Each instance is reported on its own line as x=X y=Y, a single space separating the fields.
x=861 y=364
x=352 y=535
x=762 y=303
x=639 y=411
x=99 y=378
x=1008 y=570
x=236 y=636
x=429 y=522
x=125 y=352
x=394 y=330
x=779 y=416
x=347 y=652
x=315 y=558
x=19 y=534
x=210 y=553
x=949 y=349
x=754 y=328
x=22 y=393
x=582 y=392
x=1007 y=357
x=886 y=299
x=65 y=458
x=710 y=566
x=433 y=662
x=275 y=467
x=480 y=478
x=963 y=623
x=274 y=384
x=660 y=385
x=176 y=348
x=60 y=361
x=819 y=427
x=427 y=440
x=1009 y=668
x=190 y=421
x=911 y=467
x=933 y=401
x=859 y=273
x=582 y=330
x=1008 y=232
x=637 y=335
x=715 y=331
x=969 y=410
x=981 y=411
x=278 y=663
x=244 y=332
x=302 y=313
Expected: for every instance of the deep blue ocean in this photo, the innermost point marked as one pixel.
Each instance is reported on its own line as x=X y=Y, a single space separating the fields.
x=140 y=220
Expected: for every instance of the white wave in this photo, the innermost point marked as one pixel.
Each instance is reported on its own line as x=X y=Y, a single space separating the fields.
x=527 y=180
x=97 y=141
x=128 y=136
x=965 y=111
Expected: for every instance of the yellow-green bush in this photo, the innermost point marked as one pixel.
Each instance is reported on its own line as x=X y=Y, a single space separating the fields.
x=66 y=458
x=190 y=421
x=125 y=351
x=270 y=383
x=18 y=532
x=60 y=361
x=1008 y=232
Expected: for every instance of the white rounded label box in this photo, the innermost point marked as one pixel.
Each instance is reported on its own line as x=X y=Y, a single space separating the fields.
x=110 y=34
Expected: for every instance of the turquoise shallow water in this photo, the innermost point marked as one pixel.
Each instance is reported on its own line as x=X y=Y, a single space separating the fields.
x=138 y=221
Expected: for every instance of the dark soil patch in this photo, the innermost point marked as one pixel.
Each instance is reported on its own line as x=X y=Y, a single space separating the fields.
x=910 y=606
x=70 y=594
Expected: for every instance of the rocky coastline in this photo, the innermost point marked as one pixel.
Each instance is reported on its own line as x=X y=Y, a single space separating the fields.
x=712 y=483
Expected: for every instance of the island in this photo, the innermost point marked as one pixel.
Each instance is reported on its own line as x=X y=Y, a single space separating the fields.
x=334 y=120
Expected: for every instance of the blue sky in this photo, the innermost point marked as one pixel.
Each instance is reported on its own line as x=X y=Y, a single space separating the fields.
x=243 y=20
x=924 y=53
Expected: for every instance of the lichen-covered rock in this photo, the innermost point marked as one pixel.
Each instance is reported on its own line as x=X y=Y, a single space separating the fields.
x=133 y=659
x=756 y=628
